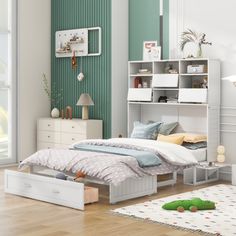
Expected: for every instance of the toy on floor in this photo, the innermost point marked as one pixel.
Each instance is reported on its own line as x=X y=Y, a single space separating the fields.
x=192 y=205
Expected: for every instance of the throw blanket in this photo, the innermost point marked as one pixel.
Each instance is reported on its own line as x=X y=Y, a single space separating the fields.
x=172 y=153
x=144 y=158
x=109 y=167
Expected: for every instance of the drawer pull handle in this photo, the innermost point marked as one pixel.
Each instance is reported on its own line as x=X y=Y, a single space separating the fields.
x=73 y=139
x=49 y=125
x=48 y=136
x=56 y=191
x=28 y=185
x=72 y=127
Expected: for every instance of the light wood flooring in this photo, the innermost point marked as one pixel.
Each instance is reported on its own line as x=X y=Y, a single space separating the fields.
x=25 y=217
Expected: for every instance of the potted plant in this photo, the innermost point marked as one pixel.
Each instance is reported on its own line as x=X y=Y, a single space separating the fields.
x=190 y=36
x=53 y=95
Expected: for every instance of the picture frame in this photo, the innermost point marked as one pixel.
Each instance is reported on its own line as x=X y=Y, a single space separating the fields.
x=149 y=50
x=155 y=53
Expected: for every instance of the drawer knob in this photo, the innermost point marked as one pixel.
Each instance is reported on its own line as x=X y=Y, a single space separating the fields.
x=73 y=139
x=72 y=127
x=28 y=185
x=48 y=136
x=49 y=125
x=56 y=191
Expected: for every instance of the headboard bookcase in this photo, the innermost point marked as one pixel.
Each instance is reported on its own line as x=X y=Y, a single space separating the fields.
x=191 y=92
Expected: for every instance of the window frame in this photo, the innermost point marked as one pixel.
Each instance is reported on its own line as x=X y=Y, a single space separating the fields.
x=12 y=83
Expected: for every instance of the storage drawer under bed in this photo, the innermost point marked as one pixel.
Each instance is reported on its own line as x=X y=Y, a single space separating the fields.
x=61 y=192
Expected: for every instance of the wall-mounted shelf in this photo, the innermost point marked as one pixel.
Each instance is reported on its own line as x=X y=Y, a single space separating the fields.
x=75 y=41
x=141 y=75
x=199 y=74
x=169 y=104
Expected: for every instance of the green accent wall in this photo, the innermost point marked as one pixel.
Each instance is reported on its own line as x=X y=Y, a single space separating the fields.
x=72 y=14
x=144 y=26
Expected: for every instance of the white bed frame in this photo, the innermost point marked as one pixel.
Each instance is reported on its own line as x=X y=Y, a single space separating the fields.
x=128 y=189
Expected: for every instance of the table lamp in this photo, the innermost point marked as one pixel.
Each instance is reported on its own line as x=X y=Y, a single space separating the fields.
x=85 y=101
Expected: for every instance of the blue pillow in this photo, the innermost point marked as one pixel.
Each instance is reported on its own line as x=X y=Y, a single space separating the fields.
x=145 y=131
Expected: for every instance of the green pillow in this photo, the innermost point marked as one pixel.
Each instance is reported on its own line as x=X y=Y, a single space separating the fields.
x=167 y=128
x=145 y=131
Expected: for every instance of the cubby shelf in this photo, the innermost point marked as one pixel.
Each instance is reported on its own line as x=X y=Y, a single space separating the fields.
x=170 y=104
x=197 y=74
x=197 y=105
x=141 y=75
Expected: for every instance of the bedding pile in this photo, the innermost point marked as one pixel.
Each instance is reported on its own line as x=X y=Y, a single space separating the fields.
x=109 y=167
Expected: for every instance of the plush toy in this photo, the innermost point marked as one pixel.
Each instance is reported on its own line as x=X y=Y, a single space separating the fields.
x=192 y=205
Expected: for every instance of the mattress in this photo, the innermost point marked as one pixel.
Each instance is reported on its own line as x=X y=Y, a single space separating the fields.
x=200 y=154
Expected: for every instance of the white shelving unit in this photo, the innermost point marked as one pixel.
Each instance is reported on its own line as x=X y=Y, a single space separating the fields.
x=197 y=109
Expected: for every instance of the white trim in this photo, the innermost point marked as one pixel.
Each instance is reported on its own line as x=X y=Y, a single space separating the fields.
x=12 y=33
x=176 y=26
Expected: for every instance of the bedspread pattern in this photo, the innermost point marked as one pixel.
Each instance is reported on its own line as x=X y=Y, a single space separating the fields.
x=108 y=167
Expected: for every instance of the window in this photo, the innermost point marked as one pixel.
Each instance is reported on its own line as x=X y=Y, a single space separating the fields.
x=7 y=81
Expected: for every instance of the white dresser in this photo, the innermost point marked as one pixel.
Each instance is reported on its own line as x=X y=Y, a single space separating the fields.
x=60 y=133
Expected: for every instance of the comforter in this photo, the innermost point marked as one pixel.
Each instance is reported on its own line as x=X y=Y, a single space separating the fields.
x=113 y=168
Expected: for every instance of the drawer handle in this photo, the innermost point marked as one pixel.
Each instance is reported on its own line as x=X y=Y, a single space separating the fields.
x=48 y=136
x=73 y=127
x=28 y=185
x=56 y=191
x=49 y=125
x=73 y=139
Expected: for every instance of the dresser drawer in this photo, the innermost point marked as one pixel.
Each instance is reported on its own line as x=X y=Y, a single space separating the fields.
x=44 y=145
x=49 y=137
x=70 y=126
x=71 y=138
x=67 y=193
x=49 y=125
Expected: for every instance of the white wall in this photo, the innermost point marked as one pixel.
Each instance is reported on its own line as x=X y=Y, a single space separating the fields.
x=216 y=19
x=34 y=40
x=119 y=67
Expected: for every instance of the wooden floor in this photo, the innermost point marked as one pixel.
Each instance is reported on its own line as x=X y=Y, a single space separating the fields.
x=25 y=217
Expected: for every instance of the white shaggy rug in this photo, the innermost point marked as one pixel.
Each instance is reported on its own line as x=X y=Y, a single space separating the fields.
x=221 y=221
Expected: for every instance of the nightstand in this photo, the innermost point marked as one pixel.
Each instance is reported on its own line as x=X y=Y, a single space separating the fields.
x=60 y=133
x=203 y=173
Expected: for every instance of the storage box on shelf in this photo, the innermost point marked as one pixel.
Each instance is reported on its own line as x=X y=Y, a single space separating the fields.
x=183 y=90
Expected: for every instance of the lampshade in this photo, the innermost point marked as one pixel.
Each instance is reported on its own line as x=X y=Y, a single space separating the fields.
x=85 y=100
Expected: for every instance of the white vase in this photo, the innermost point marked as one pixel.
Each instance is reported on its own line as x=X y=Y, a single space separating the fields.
x=55 y=113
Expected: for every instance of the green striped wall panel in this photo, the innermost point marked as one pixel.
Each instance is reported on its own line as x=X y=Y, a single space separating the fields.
x=144 y=26
x=71 y=14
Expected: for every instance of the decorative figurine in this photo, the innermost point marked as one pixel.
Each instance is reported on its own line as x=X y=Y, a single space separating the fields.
x=62 y=114
x=69 y=112
x=221 y=154
x=73 y=61
x=137 y=81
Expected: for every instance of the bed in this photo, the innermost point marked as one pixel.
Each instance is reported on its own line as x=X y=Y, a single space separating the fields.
x=200 y=154
x=123 y=174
